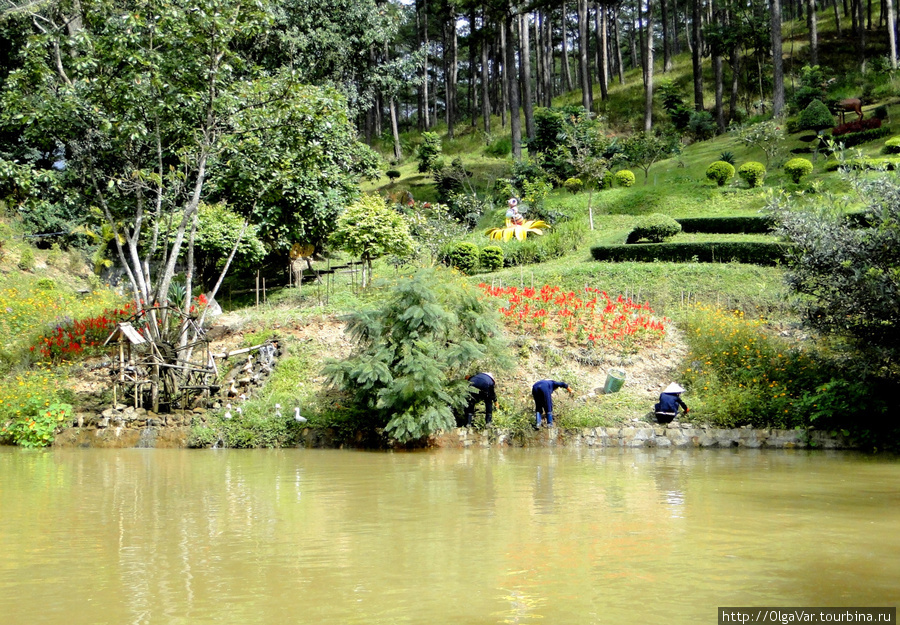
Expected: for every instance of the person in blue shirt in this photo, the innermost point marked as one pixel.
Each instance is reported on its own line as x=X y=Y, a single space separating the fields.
x=669 y=401
x=483 y=390
x=542 y=392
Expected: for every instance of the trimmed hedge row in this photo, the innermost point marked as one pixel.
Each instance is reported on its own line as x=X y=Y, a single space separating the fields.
x=756 y=253
x=753 y=224
x=889 y=164
x=856 y=138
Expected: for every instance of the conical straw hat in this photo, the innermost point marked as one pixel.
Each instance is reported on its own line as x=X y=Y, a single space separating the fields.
x=673 y=388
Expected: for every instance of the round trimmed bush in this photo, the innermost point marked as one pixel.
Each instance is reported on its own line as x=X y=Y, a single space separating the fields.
x=624 y=178
x=656 y=228
x=464 y=256
x=392 y=174
x=720 y=172
x=573 y=185
x=753 y=173
x=796 y=168
x=491 y=257
x=892 y=146
x=816 y=116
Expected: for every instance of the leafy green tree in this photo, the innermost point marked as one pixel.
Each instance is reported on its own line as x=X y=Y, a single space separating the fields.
x=413 y=351
x=850 y=276
x=218 y=232
x=369 y=229
x=643 y=149
x=161 y=103
x=430 y=152
x=766 y=136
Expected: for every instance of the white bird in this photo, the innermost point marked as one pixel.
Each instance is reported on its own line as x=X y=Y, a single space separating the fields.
x=297 y=416
x=278 y=410
x=227 y=414
x=239 y=411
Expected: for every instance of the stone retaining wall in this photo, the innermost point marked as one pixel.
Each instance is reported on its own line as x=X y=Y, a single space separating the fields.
x=125 y=426
x=673 y=435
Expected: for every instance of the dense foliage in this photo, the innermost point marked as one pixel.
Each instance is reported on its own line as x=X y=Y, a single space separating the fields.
x=412 y=353
x=849 y=275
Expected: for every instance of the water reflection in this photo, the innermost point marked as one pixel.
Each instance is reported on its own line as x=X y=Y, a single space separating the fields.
x=475 y=536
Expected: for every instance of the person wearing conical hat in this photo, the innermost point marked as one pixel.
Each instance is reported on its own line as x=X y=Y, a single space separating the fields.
x=482 y=390
x=669 y=401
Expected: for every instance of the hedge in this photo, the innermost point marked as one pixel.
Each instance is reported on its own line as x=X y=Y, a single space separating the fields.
x=752 y=224
x=755 y=252
x=889 y=164
x=856 y=138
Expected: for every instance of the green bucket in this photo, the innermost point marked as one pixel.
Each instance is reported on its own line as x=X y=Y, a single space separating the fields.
x=615 y=380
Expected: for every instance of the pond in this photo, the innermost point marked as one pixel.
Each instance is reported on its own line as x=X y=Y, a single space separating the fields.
x=447 y=536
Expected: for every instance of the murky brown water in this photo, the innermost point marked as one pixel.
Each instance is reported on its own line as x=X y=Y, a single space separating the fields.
x=488 y=536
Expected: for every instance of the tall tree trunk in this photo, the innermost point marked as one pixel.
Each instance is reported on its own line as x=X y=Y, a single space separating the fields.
x=566 y=73
x=525 y=70
x=696 y=49
x=473 y=91
x=620 y=67
x=603 y=44
x=813 y=33
x=637 y=59
x=549 y=83
x=485 y=83
x=837 y=19
x=861 y=41
x=777 y=61
x=667 y=47
x=420 y=110
x=538 y=59
x=395 y=131
x=515 y=121
x=504 y=80
x=676 y=47
x=720 y=91
x=892 y=32
x=584 y=71
x=425 y=63
x=648 y=69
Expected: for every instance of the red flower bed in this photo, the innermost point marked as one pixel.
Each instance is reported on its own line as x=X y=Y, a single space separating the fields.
x=71 y=338
x=857 y=126
x=598 y=320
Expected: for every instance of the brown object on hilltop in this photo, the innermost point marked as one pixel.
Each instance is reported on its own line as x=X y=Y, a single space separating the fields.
x=849 y=105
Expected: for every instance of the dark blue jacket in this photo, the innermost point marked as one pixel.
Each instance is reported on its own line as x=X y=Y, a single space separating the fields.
x=669 y=402
x=542 y=392
x=484 y=383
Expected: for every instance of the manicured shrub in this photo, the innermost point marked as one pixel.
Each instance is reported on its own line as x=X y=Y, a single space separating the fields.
x=624 y=178
x=857 y=138
x=816 y=116
x=892 y=146
x=880 y=112
x=752 y=252
x=857 y=126
x=392 y=174
x=606 y=182
x=796 y=168
x=655 y=228
x=753 y=173
x=720 y=172
x=464 y=257
x=573 y=185
x=750 y=224
x=491 y=257
x=46 y=284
